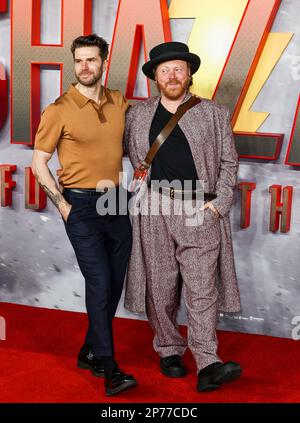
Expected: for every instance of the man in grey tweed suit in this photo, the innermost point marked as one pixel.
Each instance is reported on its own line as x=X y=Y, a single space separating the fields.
x=169 y=256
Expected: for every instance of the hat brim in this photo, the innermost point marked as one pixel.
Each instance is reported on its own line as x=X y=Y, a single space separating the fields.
x=192 y=58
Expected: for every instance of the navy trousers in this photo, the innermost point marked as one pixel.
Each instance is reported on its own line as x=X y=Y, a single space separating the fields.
x=102 y=245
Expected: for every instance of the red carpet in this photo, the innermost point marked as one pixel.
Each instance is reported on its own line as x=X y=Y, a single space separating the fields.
x=38 y=363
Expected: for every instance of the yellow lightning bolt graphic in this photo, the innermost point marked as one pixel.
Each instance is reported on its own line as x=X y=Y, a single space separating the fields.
x=249 y=121
x=214 y=29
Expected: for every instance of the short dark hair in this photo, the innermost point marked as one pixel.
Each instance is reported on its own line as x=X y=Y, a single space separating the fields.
x=88 y=41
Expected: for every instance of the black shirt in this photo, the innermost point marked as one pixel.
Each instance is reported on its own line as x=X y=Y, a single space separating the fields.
x=174 y=159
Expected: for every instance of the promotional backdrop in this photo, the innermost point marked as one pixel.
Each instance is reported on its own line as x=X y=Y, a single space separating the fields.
x=37 y=263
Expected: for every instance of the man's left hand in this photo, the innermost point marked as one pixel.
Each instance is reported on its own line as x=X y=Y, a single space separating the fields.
x=209 y=205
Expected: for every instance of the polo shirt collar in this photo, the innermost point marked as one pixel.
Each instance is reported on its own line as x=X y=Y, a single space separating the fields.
x=106 y=96
x=81 y=100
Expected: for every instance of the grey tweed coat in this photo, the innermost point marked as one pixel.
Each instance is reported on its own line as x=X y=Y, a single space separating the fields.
x=208 y=131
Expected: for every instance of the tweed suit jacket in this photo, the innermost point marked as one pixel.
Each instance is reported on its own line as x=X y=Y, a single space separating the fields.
x=208 y=131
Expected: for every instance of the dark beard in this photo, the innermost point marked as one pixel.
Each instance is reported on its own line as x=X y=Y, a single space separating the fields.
x=91 y=82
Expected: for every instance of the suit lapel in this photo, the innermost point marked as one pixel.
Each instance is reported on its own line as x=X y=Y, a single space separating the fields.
x=146 y=118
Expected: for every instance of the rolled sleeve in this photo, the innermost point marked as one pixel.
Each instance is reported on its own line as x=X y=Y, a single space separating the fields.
x=49 y=131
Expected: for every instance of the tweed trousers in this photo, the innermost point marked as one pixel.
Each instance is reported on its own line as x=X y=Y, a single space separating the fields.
x=181 y=257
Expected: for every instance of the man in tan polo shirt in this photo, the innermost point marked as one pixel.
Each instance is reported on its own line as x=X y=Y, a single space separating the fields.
x=86 y=126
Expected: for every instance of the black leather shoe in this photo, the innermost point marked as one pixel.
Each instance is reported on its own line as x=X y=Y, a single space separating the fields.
x=212 y=376
x=87 y=360
x=172 y=366
x=117 y=382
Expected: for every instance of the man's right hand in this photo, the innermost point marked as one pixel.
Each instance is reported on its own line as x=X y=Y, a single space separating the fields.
x=48 y=183
x=65 y=209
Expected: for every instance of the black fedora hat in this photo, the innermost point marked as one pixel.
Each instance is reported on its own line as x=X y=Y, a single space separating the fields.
x=170 y=51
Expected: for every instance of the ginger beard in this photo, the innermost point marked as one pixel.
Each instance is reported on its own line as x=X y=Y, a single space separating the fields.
x=173 y=89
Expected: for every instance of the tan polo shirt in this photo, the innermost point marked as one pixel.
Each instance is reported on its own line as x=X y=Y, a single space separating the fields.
x=88 y=136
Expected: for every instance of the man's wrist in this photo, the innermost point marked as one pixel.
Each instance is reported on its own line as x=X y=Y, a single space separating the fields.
x=63 y=206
